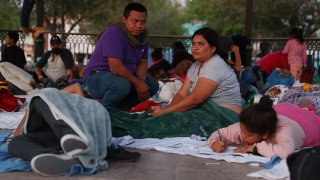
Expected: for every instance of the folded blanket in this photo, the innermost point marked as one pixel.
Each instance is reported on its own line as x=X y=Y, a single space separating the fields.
x=202 y=120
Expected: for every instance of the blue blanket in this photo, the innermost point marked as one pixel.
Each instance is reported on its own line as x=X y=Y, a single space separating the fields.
x=7 y=162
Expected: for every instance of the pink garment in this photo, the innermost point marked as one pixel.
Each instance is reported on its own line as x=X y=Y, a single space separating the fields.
x=297 y=52
x=308 y=120
x=289 y=136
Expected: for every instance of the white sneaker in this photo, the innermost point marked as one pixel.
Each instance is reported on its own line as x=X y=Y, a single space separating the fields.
x=72 y=144
x=52 y=164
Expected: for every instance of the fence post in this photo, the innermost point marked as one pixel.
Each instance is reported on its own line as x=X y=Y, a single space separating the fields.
x=39 y=41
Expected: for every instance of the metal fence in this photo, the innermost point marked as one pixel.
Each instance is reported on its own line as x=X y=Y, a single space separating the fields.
x=82 y=45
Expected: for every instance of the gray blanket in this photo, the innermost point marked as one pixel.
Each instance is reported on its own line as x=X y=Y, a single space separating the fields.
x=88 y=118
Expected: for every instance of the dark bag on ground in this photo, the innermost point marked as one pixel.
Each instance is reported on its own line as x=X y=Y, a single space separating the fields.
x=307 y=75
x=305 y=164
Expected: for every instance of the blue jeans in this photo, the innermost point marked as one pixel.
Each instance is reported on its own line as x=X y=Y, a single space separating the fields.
x=116 y=91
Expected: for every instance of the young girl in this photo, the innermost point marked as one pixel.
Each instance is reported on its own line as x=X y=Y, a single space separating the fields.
x=267 y=131
x=295 y=48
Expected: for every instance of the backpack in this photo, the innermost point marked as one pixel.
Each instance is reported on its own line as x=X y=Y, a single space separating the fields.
x=305 y=164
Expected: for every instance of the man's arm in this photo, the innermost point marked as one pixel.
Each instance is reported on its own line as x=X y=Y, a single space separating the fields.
x=40 y=64
x=142 y=69
x=117 y=67
x=70 y=74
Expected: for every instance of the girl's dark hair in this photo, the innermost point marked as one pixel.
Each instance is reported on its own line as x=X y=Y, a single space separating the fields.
x=157 y=53
x=297 y=33
x=134 y=6
x=260 y=118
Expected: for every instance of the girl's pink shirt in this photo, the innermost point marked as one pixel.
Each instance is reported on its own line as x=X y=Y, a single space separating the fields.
x=297 y=52
x=290 y=134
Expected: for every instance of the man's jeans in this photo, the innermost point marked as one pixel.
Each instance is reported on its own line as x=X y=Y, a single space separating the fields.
x=116 y=91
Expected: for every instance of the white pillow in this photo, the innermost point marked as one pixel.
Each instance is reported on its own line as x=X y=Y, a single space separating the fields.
x=17 y=76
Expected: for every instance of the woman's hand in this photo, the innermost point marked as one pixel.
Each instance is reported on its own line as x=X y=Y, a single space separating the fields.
x=244 y=149
x=219 y=146
x=157 y=111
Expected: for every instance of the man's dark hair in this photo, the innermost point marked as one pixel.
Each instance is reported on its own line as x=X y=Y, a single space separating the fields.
x=55 y=39
x=13 y=35
x=134 y=6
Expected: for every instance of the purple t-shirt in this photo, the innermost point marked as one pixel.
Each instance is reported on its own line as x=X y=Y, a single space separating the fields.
x=114 y=44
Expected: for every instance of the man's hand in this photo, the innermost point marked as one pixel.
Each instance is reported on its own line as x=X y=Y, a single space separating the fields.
x=219 y=146
x=142 y=90
x=244 y=149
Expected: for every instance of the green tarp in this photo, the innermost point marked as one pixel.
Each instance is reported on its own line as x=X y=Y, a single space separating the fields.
x=177 y=124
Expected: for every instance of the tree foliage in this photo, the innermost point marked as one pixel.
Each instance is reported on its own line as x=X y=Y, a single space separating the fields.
x=282 y=15
x=9 y=15
x=225 y=16
x=164 y=16
x=270 y=18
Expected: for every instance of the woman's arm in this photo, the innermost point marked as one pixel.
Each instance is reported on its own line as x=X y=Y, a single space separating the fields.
x=236 y=51
x=182 y=93
x=200 y=93
x=286 y=48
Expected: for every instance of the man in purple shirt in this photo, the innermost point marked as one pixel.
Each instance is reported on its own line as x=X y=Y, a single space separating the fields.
x=116 y=71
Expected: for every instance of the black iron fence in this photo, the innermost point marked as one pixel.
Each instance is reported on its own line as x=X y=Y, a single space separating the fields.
x=82 y=45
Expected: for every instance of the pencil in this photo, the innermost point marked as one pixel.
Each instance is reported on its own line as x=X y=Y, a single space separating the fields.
x=219 y=133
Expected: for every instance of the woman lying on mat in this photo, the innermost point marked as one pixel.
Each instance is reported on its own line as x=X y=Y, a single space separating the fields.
x=267 y=131
x=210 y=77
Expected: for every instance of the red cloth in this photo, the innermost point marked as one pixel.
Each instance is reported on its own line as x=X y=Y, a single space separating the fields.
x=8 y=102
x=144 y=106
x=273 y=60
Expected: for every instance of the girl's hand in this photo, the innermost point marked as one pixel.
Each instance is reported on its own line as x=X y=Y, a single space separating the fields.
x=219 y=146
x=157 y=111
x=244 y=149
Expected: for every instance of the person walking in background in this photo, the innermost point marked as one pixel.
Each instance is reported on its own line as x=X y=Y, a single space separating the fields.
x=117 y=70
x=13 y=53
x=296 y=50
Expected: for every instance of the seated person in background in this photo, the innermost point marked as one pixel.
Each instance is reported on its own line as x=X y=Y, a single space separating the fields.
x=56 y=64
x=272 y=61
x=179 y=54
x=267 y=131
x=160 y=67
x=210 y=77
x=230 y=52
x=181 y=61
x=264 y=49
x=13 y=53
x=117 y=72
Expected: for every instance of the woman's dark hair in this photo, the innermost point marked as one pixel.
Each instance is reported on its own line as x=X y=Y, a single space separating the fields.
x=297 y=33
x=260 y=118
x=157 y=53
x=209 y=35
x=134 y=6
